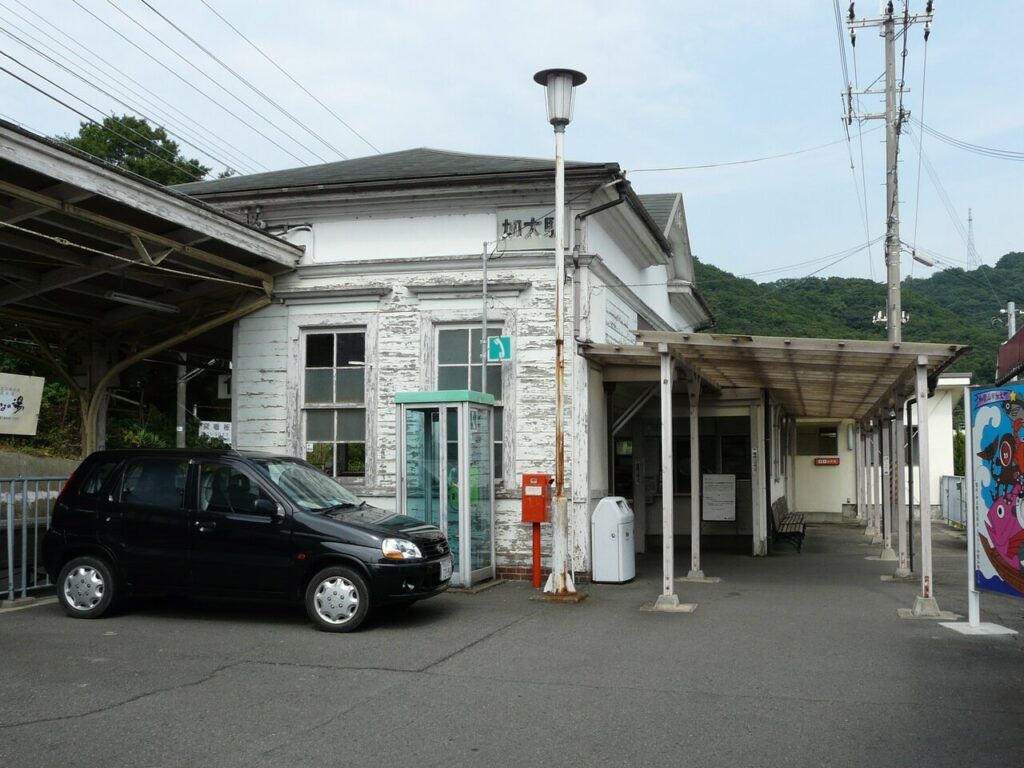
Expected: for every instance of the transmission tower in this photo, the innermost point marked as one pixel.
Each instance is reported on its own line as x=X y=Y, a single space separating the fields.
x=972 y=252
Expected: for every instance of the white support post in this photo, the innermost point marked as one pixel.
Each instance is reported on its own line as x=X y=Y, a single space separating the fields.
x=902 y=518
x=925 y=603
x=693 y=390
x=973 y=597
x=861 y=473
x=888 y=553
x=667 y=600
x=876 y=483
x=869 y=479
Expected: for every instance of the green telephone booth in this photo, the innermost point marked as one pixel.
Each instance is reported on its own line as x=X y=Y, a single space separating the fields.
x=446 y=473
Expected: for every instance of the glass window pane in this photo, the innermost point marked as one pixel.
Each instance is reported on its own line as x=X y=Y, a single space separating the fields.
x=320 y=350
x=352 y=459
x=453 y=346
x=494 y=381
x=349 y=385
x=319 y=425
x=499 y=424
x=474 y=378
x=322 y=457
x=318 y=386
x=351 y=349
x=452 y=377
x=351 y=425
x=474 y=341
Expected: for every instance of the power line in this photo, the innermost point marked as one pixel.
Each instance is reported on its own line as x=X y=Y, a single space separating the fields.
x=209 y=136
x=105 y=93
x=286 y=74
x=248 y=84
x=999 y=154
x=180 y=167
x=740 y=162
x=920 y=148
x=186 y=82
x=205 y=74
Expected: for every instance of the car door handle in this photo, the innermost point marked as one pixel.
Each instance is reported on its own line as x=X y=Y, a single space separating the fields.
x=205 y=525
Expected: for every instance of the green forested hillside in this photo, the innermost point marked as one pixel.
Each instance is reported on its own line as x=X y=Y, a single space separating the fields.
x=955 y=306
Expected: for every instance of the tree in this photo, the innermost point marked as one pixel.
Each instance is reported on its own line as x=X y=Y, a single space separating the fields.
x=133 y=144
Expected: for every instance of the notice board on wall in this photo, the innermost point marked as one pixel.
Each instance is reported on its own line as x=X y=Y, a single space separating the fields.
x=719 y=497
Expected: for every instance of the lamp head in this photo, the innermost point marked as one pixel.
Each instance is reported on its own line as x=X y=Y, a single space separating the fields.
x=559 y=84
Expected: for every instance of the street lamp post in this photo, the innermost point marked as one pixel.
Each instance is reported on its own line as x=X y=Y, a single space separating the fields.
x=559 y=85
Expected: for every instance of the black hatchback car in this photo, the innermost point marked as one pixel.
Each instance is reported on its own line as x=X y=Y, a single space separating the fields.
x=233 y=524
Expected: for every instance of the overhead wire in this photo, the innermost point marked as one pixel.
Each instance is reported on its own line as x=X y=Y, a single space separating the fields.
x=978 y=149
x=111 y=96
x=740 y=162
x=920 y=150
x=262 y=94
x=861 y=201
x=63 y=241
x=188 y=83
x=198 y=128
x=145 y=150
x=207 y=75
x=286 y=74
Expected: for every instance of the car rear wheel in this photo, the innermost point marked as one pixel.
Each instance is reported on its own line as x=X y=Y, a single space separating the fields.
x=337 y=599
x=86 y=587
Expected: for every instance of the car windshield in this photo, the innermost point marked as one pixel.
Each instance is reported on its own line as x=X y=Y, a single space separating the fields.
x=307 y=486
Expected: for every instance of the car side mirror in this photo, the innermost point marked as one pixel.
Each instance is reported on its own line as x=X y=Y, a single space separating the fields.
x=268 y=508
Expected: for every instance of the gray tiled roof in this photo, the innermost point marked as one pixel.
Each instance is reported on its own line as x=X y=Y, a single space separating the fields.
x=408 y=165
x=660 y=207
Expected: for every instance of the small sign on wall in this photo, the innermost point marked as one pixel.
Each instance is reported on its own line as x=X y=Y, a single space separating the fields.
x=826 y=461
x=217 y=429
x=20 y=400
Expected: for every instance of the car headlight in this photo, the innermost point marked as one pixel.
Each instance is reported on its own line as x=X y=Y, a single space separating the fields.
x=400 y=549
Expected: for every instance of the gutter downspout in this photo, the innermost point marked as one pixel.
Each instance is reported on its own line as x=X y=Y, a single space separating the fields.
x=577 y=236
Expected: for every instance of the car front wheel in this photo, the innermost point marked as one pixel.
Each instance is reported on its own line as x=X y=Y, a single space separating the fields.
x=86 y=587
x=337 y=599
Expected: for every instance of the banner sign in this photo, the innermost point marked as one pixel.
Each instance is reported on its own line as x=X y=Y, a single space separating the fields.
x=997 y=459
x=20 y=400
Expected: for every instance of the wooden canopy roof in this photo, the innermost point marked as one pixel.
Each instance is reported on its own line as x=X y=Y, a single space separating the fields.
x=823 y=378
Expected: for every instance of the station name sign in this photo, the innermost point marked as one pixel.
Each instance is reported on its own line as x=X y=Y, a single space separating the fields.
x=526 y=229
x=826 y=461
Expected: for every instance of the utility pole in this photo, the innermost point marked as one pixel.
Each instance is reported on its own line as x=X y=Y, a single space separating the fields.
x=894 y=116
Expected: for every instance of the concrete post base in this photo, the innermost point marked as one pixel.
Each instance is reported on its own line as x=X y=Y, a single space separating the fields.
x=901 y=573
x=888 y=553
x=670 y=604
x=926 y=607
x=870 y=531
x=697 y=575
x=877 y=539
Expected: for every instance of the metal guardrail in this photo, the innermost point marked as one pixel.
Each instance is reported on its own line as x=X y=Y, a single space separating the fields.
x=26 y=504
x=953 y=500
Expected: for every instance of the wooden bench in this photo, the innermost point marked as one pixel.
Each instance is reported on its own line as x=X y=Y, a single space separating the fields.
x=787 y=525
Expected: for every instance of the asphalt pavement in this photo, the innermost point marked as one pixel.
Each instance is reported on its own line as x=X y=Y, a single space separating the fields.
x=790 y=660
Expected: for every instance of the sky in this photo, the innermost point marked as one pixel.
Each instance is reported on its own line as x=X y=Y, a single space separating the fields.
x=670 y=85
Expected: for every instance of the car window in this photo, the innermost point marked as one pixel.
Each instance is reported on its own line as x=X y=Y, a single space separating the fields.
x=306 y=486
x=93 y=482
x=155 y=483
x=226 y=489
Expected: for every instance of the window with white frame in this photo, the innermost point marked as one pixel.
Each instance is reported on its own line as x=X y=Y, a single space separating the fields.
x=459 y=367
x=334 y=401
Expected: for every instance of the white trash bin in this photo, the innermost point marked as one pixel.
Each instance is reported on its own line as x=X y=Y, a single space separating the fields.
x=611 y=533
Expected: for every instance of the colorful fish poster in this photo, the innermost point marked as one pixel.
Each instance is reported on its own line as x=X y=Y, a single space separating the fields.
x=997 y=436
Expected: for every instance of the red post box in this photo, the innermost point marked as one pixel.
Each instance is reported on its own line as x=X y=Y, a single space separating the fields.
x=536 y=498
